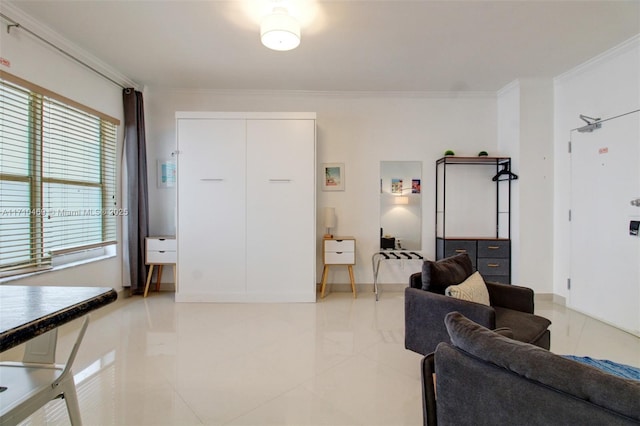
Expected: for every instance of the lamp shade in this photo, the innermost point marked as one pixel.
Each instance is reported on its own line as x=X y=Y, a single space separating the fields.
x=329 y=217
x=279 y=30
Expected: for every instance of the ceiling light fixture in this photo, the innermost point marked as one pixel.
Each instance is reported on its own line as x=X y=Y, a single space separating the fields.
x=279 y=30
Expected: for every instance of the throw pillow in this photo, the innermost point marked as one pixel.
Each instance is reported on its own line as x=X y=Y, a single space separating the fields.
x=472 y=289
x=438 y=275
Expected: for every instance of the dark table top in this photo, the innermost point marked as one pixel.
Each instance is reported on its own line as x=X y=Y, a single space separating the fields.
x=29 y=311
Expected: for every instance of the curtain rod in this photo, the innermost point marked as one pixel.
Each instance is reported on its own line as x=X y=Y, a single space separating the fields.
x=14 y=24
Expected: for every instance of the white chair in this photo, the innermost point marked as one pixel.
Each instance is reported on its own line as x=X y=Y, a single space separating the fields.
x=37 y=380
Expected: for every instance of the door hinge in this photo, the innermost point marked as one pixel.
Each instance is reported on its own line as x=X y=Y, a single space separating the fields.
x=569 y=146
x=569 y=215
x=568 y=283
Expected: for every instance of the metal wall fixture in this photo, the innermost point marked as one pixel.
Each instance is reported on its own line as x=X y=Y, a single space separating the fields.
x=592 y=124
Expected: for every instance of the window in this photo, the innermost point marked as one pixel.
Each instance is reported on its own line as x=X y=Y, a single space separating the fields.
x=57 y=177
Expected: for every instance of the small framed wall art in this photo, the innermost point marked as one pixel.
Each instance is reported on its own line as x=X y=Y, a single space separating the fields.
x=333 y=177
x=166 y=174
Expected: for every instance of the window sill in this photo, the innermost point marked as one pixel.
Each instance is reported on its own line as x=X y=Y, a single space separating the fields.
x=6 y=280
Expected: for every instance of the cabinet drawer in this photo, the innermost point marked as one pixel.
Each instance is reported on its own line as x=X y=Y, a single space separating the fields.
x=161 y=256
x=339 y=245
x=339 y=258
x=161 y=244
x=493 y=266
x=493 y=248
x=452 y=248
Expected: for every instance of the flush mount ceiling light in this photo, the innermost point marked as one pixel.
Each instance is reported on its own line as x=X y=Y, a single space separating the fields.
x=279 y=30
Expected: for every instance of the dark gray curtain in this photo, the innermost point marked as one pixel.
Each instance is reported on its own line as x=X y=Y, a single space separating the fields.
x=138 y=204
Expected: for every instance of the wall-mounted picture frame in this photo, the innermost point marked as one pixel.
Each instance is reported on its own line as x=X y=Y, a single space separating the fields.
x=415 y=186
x=166 y=174
x=333 y=177
x=396 y=186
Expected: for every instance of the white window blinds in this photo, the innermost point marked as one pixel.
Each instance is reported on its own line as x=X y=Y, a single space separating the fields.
x=57 y=178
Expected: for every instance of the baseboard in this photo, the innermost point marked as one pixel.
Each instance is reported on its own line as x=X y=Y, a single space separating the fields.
x=544 y=297
x=559 y=300
x=364 y=288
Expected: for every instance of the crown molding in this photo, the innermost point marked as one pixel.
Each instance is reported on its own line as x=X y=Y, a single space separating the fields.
x=627 y=45
x=332 y=93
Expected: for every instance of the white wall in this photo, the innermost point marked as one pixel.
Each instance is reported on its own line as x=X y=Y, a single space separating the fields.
x=509 y=143
x=31 y=60
x=359 y=130
x=605 y=86
x=536 y=185
x=525 y=117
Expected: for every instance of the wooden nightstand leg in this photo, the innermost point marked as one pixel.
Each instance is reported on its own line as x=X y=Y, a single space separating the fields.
x=353 y=282
x=146 y=287
x=325 y=272
x=175 y=277
x=159 y=277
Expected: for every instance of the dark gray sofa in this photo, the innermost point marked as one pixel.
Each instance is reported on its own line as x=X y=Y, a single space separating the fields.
x=426 y=306
x=484 y=378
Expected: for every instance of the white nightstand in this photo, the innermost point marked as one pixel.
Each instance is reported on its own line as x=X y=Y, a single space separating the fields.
x=338 y=251
x=160 y=251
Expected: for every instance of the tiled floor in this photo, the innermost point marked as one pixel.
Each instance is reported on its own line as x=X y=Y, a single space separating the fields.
x=336 y=362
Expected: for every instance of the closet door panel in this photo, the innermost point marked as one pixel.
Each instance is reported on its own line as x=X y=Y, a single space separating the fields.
x=281 y=208
x=211 y=213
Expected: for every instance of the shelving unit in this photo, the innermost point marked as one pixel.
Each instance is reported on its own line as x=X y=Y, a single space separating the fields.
x=473 y=212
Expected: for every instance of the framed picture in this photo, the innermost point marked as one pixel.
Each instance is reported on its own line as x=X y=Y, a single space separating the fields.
x=166 y=174
x=333 y=177
x=396 y=186
x=415 y=186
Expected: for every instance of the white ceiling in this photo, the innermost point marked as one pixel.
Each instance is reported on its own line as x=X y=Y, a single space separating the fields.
x=353 y=45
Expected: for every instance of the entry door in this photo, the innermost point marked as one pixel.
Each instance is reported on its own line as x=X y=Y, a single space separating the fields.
x=605 y=258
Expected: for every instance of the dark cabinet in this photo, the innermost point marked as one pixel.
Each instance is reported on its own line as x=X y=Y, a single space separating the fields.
x=490 y=257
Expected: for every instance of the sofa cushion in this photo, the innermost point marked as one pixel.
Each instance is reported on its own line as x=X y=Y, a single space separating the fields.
x=473 y=289
x=440 y=274
x=525 y=327
x=539 y=365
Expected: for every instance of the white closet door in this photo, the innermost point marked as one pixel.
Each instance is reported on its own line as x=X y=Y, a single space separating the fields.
x=211 y=208
x=281 y=209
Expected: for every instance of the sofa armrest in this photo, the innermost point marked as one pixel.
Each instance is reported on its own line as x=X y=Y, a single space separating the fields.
x=429 y=416
x=424 y=314
x=511 y=296
x=415 y=280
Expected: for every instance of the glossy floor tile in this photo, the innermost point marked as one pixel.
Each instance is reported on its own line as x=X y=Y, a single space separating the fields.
x=340 y=361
